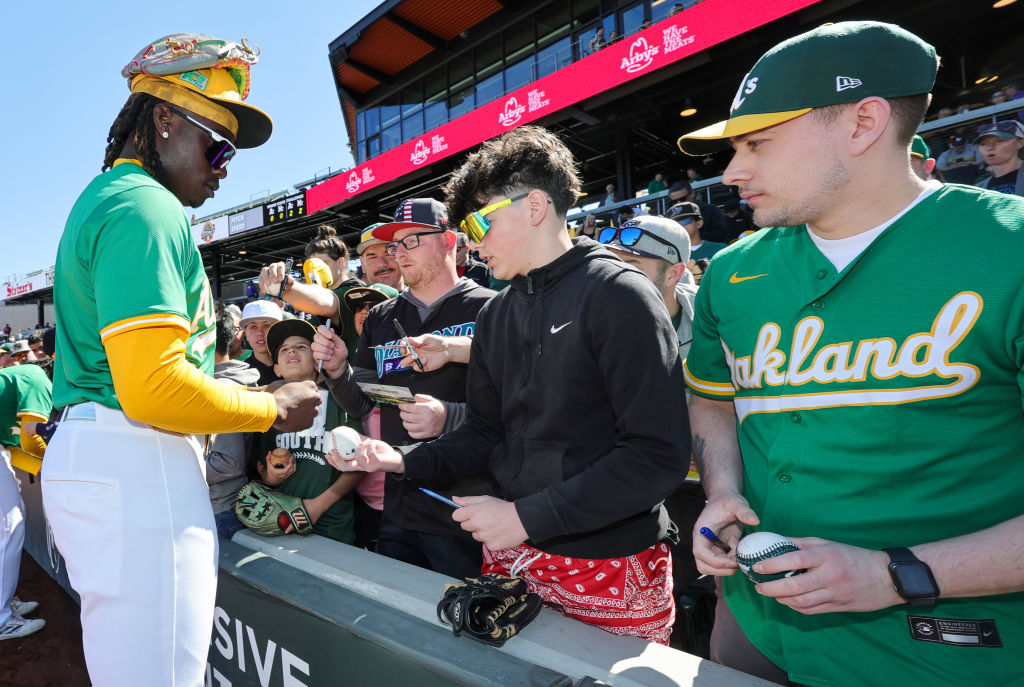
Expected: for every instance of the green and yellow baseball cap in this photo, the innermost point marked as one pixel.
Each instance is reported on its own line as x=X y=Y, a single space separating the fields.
x=366 y=238
x=830 y=65
x=919 y=149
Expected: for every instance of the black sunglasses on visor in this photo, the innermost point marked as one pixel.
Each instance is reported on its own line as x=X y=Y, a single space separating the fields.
x=221 y=151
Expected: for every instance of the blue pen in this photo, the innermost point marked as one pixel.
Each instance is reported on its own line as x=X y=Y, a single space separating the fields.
x=715 y=540
x=440 y=498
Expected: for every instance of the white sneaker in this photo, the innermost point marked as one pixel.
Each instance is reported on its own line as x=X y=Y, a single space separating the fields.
x=16 y=626
x=19 y=607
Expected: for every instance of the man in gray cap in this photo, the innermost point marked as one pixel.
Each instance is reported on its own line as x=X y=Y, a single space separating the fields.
x=660 y=249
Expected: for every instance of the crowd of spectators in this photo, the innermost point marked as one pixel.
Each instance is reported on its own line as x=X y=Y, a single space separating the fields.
x=491 y=417
x=671 y=240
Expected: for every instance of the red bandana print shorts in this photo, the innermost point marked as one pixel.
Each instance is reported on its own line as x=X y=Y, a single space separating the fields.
x=625 y=596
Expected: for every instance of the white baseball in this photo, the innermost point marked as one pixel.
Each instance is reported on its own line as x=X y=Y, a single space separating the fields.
x=759 y=546
x=344 y=440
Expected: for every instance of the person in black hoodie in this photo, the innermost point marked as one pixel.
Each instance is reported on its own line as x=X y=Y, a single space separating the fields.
x=576 y=401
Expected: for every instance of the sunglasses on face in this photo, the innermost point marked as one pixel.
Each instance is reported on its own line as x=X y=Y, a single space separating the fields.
x=476 y=224
x=1006 y=127
x=409 y=242
x=221 y=151
x=628 y=236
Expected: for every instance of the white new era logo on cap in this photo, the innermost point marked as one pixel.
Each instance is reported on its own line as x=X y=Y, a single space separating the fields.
x=844 y=82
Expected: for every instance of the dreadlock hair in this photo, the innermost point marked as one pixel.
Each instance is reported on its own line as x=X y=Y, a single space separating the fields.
x=328 y=241
x=135 y=120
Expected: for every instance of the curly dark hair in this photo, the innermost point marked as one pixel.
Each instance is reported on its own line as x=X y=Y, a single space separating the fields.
x=227 y=328
x=135 y=120
x=327 y=241
x=523 y=159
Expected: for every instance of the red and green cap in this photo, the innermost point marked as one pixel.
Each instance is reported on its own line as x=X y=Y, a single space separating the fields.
x=830 y=65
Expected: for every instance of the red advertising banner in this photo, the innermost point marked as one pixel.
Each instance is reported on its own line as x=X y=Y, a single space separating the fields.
x=40 y=280
x=664 y=43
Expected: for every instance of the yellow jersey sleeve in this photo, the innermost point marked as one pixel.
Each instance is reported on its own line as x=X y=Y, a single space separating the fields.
x=155 y=384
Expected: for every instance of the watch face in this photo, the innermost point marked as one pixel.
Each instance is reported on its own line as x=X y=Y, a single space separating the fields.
x=914 y=580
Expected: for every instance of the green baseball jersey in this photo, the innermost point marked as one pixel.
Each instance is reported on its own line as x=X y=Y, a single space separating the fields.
x=879 y=406
x=706 y=250
x=126 y=260
x=313 y=474
x=23 y=389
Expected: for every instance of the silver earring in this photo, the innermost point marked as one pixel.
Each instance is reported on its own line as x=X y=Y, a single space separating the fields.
x=165 y=134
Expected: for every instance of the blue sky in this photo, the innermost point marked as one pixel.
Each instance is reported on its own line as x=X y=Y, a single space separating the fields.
x=65 y=88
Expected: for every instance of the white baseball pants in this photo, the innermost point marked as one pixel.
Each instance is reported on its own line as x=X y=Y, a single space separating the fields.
x=130 y=512
x=12 y=509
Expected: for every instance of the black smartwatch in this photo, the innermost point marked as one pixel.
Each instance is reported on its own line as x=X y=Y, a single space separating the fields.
x=912 y=578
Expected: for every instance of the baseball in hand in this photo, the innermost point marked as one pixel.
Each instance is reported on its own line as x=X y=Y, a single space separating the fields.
x=281 y=457
x=760 y=546
x=344 y=440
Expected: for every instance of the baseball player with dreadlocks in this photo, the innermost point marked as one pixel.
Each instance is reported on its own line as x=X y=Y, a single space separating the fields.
x=123 y=484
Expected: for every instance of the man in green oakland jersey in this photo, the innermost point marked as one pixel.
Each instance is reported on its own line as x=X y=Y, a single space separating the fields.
x=852 y=392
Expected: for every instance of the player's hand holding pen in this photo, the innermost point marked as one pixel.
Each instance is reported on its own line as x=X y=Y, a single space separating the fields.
x=330 y=350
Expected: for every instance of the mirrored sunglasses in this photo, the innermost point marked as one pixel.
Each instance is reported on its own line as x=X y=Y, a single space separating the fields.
x=221 y=151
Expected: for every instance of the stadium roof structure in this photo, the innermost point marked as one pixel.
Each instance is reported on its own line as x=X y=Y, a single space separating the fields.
x=390 y=46
x=395 y=36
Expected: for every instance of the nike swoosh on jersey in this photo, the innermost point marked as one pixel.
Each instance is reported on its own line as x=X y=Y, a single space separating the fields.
x=736 y=279
x=555 y=330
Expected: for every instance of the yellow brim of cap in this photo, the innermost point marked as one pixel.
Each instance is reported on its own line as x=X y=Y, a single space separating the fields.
x=250 y=125
x=709 y=139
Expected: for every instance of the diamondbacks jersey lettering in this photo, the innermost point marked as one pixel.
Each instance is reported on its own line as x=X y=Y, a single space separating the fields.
x=126 y=260
x=877 y=406
x=389 y=359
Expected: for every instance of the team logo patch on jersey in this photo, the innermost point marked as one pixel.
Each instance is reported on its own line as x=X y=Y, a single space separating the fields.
x=955 y=631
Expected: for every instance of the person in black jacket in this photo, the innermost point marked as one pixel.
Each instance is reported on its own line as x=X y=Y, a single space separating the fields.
x=414 y=527
x=576 y=402
x=466 y=266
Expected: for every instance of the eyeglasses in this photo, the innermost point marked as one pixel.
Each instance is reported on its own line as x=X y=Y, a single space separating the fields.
x=476 y=224
x=221 y=151
x=409 y=242
x=628 y=236
x=1012 y=128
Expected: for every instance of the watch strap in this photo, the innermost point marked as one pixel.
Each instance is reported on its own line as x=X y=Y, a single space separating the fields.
x=901 y=555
